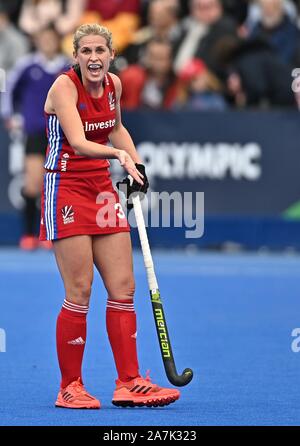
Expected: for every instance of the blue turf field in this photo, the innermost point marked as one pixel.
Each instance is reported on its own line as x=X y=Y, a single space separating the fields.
x=230 y=318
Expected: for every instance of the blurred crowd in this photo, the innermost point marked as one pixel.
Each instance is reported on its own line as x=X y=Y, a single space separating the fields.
x=175 y=54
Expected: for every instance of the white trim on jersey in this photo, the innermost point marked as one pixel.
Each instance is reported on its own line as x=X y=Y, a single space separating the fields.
x=54 y=142
x=50 y=183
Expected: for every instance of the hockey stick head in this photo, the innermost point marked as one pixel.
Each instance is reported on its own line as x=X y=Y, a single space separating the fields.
x=179 y=380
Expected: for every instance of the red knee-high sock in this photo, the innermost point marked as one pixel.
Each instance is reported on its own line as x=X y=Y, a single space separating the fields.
x=121 y=329
x=70 y=341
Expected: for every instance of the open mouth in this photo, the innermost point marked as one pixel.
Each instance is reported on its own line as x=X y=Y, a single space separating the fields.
x=94 y=68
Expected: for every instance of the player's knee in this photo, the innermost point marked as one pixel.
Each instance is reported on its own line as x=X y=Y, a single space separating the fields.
x=80 y=291
x=123 y=289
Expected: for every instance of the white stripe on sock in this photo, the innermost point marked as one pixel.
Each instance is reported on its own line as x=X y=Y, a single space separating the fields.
x=75 y=305
x=76 y=308
x=118 y=305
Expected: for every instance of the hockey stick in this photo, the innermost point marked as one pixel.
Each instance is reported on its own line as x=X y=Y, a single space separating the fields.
x=158 y=312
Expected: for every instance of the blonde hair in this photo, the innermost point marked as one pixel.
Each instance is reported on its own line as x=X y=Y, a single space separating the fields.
x=95 y=29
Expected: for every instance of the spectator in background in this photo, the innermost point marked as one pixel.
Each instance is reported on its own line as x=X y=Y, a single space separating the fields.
x=13 y=44
x=278 y=29
x=64 y=15
x=237 y=9
x=183 y=8
x=297 y=6
x=13 y=8
x=256 y=77
x=162 y=24
x=255 y=13
x=199 y=88
x=154 y=84
x=162 y=20
x=202 y=33
x=122 y=17
x=27 y=88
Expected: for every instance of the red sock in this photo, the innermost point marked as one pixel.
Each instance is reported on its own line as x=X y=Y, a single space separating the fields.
x=70 y=341
x=121 y=329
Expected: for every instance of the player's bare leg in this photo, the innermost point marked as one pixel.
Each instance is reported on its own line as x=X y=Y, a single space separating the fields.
x=113 y=259
x=75 y=262
x=74 y=257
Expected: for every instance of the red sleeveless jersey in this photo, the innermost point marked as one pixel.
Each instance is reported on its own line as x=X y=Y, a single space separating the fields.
x=98 y=118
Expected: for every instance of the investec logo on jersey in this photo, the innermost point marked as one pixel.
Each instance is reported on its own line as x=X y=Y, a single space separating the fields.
x=93 y=126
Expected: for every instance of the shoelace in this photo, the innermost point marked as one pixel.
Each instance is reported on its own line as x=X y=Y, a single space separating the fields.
x=78 y=386
x=147 y=378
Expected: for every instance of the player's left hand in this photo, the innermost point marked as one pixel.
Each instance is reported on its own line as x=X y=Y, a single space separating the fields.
x=129 y=186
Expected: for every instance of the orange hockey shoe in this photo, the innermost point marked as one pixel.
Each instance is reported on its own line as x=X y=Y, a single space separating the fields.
x=29 y=243
x=74 y=396
x=142 y=392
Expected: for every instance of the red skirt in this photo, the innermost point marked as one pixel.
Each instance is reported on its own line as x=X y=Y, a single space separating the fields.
x=82 y=204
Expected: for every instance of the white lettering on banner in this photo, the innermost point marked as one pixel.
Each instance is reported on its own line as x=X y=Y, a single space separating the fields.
x=193 y=160
x=92 y=126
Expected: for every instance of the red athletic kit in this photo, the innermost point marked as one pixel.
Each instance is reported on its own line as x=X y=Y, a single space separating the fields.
x=78 y=196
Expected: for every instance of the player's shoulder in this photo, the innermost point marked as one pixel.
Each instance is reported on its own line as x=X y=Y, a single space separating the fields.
x=63 y=85
x=62 y=92
x=117 y=82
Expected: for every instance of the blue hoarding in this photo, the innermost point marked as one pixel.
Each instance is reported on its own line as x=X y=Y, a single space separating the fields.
x=246 y=163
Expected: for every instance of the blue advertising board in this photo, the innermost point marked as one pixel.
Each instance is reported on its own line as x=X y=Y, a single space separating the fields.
x=245 y=163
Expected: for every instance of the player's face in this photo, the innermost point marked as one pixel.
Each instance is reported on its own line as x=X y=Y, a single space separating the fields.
x=93 y=57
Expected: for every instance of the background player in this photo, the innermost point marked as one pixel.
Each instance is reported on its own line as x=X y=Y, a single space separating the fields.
x=28 y=85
